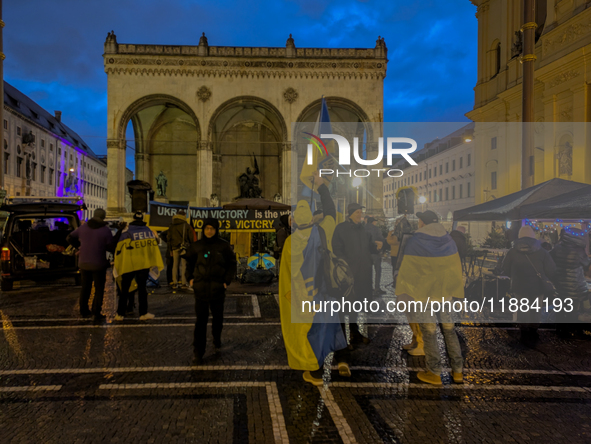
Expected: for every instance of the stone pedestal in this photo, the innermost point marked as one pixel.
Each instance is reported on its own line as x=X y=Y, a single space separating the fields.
x=161 y=199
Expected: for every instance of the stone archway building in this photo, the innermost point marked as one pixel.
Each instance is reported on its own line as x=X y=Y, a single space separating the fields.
x=200 y=112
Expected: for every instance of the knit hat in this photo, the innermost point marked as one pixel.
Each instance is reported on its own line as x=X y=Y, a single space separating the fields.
x=527 y=231
x=100 y=214
x=138 y=216
x=352 y=207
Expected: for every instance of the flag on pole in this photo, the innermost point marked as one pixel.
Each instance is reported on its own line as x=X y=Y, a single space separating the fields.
x=319 y=154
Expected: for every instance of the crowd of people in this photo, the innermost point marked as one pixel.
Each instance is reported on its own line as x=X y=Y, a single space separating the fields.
x=311 y=250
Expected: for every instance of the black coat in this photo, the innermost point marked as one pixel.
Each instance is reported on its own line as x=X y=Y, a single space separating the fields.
x=571 y=263
x=460 y=240
x=211 y=263
x=354 y=244
x=524 y=279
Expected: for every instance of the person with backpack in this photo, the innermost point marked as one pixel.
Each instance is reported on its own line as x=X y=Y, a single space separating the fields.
x=310 y=337
x=211 y=267
x=529 y=266
x=180 y=237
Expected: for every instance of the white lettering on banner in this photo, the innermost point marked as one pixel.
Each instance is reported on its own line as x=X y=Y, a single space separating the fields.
x=166 y=211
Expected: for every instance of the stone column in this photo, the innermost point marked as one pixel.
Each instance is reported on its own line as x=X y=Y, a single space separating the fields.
x=286 y=173
x=204 y=173
x=581 y=159
x=115 y=177
x=142 y=168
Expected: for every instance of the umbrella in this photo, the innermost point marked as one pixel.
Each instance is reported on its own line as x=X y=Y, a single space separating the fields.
x=256 y=204
x=261 y=260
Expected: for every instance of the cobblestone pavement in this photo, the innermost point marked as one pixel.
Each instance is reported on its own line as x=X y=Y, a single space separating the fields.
x=64 y=379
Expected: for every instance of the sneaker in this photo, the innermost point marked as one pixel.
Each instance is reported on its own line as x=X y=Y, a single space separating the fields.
x=429 y=378
x=312 y=380
x=147 y=317
x=344 y=369
x=118 y=318
x=173 y=286
x=419 y=351
x=458 y=377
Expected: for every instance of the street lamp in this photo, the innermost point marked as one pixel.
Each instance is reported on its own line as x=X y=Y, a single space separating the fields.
x=422 y=200
x=357 y=183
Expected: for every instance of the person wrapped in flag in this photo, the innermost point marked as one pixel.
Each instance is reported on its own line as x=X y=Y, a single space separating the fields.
x=309 y=337
x=431 y=271
x=137 y=256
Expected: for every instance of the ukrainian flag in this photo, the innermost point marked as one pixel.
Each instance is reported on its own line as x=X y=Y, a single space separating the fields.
x=431 y=266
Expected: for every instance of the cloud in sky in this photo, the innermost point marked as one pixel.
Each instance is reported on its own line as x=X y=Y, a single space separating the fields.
x=54 y=49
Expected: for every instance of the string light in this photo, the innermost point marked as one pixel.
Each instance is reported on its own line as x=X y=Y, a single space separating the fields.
x=560 y=223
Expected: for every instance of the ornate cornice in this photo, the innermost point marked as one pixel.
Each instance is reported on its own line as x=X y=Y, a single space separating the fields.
x=561 y=37
x=170 y=64
x=564 y=77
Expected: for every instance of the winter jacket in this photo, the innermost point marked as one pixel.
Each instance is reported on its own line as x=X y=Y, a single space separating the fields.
x=179 y=232
x=460 y=240
x=354 y=244
x=375 y=233
x=95 y=238
x=524 y=278
x=571 y=263
x=211 y=263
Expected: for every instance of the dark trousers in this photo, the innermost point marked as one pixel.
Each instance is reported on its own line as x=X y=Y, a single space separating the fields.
x=202 y=308
x=99 y=277
x=169 y=265
x=376 y=260
x=141 y=277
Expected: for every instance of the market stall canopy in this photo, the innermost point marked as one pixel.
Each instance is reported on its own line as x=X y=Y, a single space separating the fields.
x=256 y=204
x=573 y=205
x=508 y=207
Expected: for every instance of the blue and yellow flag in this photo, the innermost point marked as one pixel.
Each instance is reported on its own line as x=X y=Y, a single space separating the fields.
x=137 y=249
x=431 y=266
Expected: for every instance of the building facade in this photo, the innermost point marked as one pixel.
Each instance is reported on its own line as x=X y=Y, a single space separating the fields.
x=44 y=157
x=443 y=177
x=561 y=95
x=202 y=114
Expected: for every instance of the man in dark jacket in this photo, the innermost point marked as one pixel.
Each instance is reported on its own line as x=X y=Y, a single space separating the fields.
x=210 y=268
x=374 y=231
x=522 y=264
x=179 y=233
x=353 y=244
x=94 y=238
x=459 y=237
x=571 y=263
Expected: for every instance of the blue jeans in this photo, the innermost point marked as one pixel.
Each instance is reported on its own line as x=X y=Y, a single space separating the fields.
x=428 y=324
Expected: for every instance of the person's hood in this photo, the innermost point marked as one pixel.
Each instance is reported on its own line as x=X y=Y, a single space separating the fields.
x=96 y=223
x=527 y=245
x=572 y=240
x=213 y=223
x=178 y=219
x=302 y=214
x=435 y=229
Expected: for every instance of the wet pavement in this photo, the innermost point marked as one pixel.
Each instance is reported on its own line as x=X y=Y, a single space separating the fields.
x=64 y=379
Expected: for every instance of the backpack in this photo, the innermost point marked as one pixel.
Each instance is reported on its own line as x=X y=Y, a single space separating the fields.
x=336 y=272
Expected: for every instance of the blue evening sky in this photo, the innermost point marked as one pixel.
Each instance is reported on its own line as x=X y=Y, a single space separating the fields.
x=54 y=48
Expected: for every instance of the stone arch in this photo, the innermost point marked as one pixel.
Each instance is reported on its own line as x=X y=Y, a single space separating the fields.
x=153 y=100
x=238 y=129
x=254 y=100
x=343 y=102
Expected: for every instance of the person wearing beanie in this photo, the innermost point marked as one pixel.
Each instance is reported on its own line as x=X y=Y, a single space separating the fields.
x=137 y=257
x=431 y=269
x=571 y=264
x=522 y=264
x=180 y=234
x=211 y=266
x=354 y=244
x=94 y=239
